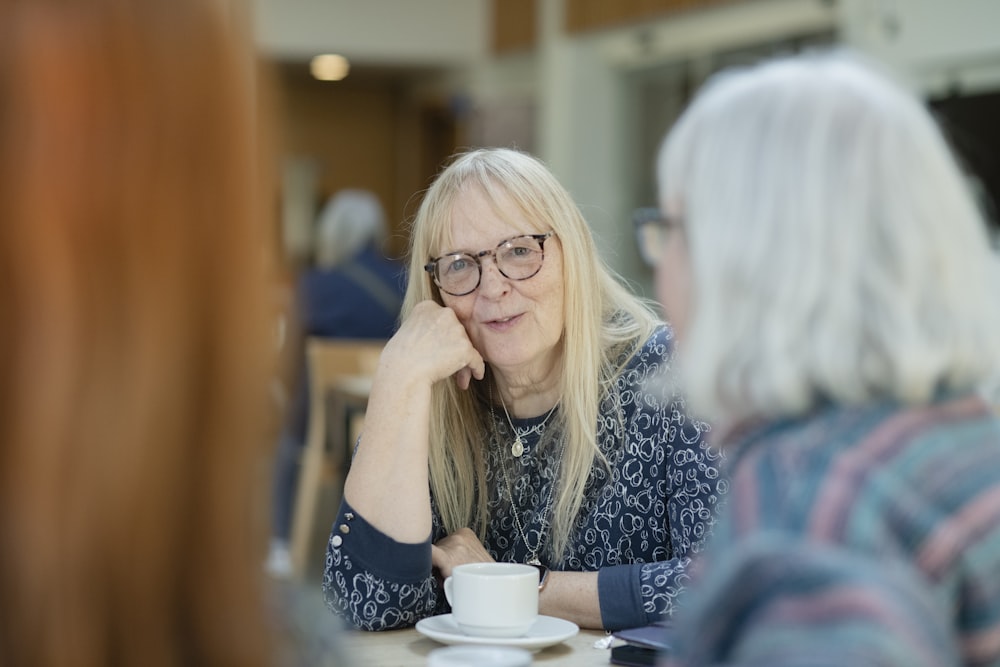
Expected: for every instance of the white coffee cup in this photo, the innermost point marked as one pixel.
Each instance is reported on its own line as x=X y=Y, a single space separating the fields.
x=493 y=599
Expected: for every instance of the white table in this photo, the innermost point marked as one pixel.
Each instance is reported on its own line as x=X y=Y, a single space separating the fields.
x=409 y=648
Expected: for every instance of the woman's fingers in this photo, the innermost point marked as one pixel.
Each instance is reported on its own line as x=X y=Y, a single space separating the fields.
x=434 y=343
x=462 y=546
x=464 y=377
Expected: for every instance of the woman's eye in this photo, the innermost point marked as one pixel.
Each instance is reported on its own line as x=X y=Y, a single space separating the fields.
x=519 y=252
x=457 y=265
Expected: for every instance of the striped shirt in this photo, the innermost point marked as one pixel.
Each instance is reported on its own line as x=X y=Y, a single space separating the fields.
x=855 y=536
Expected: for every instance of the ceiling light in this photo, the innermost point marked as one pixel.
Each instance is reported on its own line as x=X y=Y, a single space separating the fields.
x=329 y=67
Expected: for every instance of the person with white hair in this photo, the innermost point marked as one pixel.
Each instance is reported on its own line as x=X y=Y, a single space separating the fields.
x=353 y=290
x=834 y=295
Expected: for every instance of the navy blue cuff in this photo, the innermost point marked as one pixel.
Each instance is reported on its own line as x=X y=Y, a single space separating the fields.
x=618 y=592
x=376 y=552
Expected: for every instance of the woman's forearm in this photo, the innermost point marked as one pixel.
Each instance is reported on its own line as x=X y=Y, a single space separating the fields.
x=388 y=479
x=387 y=482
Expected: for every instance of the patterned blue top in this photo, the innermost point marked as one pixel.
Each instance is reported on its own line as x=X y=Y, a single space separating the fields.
x=862 y=535
x=641 y=521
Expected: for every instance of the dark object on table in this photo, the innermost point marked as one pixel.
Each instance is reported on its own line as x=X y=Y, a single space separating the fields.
x=643 y=644
x=633 y=656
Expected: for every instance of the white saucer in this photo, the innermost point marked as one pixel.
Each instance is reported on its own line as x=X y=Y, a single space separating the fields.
x=546 y=631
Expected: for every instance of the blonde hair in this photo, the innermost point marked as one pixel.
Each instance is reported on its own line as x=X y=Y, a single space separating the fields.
x=135 y=348
x=836 y=252
x=603 y=321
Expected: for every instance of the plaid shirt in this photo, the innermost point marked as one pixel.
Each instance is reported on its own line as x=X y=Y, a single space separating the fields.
x=855 y=536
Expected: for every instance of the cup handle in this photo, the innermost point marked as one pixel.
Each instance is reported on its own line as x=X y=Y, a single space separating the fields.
x=447 y=590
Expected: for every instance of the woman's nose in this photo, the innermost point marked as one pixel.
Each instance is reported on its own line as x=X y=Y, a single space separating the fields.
x=493 y=283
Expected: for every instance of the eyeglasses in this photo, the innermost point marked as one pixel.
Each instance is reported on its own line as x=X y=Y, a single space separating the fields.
x=518 y=258
x=651 y=231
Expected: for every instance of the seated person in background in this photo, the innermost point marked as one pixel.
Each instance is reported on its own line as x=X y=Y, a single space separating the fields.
x=136 y=347
x=836 y=310
x=352 y=291
x=522 y=413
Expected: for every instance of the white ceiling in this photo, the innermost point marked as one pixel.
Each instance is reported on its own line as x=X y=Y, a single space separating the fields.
x=377 y=32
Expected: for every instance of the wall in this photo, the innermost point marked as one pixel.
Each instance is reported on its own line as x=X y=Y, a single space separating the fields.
x=334 y=136
x=412 y=32
x=939 y=45
x=376 y=129
x=587 y=107
x=372 y=133
x=573 y=89
x=576 y=86
x=585 y=123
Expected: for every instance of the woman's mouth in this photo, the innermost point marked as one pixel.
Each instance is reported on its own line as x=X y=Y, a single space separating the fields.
x=503 y=323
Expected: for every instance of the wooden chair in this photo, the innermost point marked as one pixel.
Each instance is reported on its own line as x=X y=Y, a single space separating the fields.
x=340 y=374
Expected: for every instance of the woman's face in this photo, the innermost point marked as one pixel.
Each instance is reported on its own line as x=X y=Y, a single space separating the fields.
x=673 y=277
x=515 y=324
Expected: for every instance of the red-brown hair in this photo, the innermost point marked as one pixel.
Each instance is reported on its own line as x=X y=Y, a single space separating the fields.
x=134 y=339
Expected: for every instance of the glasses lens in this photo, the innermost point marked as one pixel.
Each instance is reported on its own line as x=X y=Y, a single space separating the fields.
x=649 y=238
x=649 y=234
x=457 y=274
x=520 y=258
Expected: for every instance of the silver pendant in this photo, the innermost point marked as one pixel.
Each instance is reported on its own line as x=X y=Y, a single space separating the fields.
x=534 y=561
x=517 y=448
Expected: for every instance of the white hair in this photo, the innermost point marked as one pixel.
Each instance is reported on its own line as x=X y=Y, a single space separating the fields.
x=350 y=220
x=836 y=252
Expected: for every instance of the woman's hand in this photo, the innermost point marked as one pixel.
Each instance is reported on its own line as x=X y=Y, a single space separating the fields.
x=457 y=549
x=433 y=344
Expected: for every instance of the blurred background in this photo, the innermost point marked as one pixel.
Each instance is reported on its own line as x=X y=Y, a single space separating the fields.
x=590 y=86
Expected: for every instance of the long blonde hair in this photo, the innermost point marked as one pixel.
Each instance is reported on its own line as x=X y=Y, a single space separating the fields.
x=603 y=322
x=135 y=348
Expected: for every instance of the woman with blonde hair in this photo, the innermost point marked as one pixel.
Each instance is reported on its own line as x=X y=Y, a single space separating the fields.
x=522 y=413
x=835 y=300
x=135 y=348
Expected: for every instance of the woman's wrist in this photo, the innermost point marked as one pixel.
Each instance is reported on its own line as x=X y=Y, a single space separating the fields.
x=543 y=575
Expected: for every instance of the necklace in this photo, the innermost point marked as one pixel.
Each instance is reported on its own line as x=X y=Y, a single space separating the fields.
x=532 y=552
x=517 y=447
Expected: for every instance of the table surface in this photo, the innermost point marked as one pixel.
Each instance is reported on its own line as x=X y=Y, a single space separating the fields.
x=406 y=648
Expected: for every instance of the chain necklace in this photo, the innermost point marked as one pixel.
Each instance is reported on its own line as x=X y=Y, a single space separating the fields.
x=532 y=552
x=517 y=447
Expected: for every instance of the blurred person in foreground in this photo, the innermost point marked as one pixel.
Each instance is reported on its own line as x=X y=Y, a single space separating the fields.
x=835 y=301
x=136 y=343
x=352 y=291
x=522 y=413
